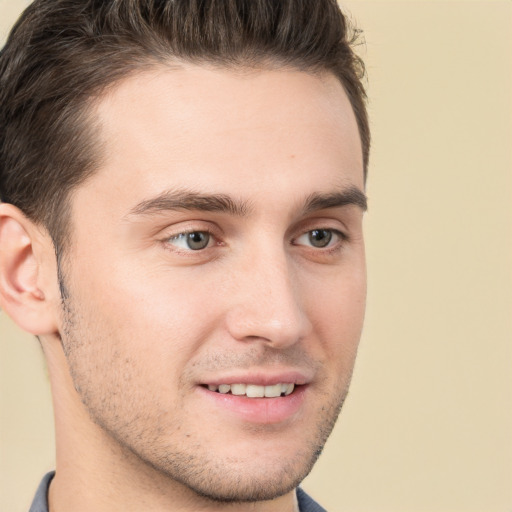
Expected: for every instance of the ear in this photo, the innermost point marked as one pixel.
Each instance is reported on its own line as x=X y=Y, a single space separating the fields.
x=26 y=293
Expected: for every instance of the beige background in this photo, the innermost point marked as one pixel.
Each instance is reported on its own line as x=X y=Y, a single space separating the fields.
x=428 y=425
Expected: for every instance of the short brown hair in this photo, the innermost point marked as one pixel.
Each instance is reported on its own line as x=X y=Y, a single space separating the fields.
x=61 y=54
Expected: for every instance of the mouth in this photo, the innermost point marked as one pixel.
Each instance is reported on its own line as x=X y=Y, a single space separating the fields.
x=254 y=390
x=257 y=396
x=257 y=403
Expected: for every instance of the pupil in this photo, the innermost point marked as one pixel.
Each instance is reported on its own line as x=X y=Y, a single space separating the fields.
x=198 y=240
x=320 y=237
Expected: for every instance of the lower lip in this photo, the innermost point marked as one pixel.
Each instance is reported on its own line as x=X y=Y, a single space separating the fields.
x=258 y=410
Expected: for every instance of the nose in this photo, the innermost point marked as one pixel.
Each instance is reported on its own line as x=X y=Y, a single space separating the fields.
x=266 y=303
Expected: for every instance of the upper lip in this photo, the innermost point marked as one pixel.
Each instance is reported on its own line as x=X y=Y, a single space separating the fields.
x=260 y=377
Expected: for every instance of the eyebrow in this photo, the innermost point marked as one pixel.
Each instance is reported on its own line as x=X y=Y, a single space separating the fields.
x=347 y=197
x=190 y=200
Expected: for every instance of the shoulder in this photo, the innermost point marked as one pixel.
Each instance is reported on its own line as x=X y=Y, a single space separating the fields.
x=306 y=503
x=40 y=503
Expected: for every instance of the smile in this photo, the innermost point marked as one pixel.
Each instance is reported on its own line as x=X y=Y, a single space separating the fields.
x=254 y=390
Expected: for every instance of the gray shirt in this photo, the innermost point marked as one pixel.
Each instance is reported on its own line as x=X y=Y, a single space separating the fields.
x=40 y=503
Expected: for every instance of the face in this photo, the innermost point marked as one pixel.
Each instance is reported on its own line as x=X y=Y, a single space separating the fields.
x=216 y=275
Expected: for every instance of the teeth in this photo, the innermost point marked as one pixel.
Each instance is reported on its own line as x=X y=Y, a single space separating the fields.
x=238 y=389
x=273 y=391
x=289 y=389
x=253 y=390
x=224 y=388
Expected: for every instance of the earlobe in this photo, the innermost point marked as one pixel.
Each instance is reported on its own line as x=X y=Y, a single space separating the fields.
x=22 y=295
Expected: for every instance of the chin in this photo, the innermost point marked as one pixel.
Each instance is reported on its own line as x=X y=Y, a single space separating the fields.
x=250 y=484
x=241 y=472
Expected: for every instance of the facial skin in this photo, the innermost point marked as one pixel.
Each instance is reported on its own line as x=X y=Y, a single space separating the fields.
x=260 y=166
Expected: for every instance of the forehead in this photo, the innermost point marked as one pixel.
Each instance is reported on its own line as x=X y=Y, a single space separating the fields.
x=225 y=131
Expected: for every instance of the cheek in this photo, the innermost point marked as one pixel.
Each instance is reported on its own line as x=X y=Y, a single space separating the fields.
x=162 y=316
x=338 y=312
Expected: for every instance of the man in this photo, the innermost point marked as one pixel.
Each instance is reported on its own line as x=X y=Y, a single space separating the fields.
x=182 y=193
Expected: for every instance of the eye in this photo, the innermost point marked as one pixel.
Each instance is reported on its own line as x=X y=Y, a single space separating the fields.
x=319 y=238
x=191 y=241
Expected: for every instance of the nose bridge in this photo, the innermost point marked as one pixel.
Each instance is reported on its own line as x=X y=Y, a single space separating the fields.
x=267 y=304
